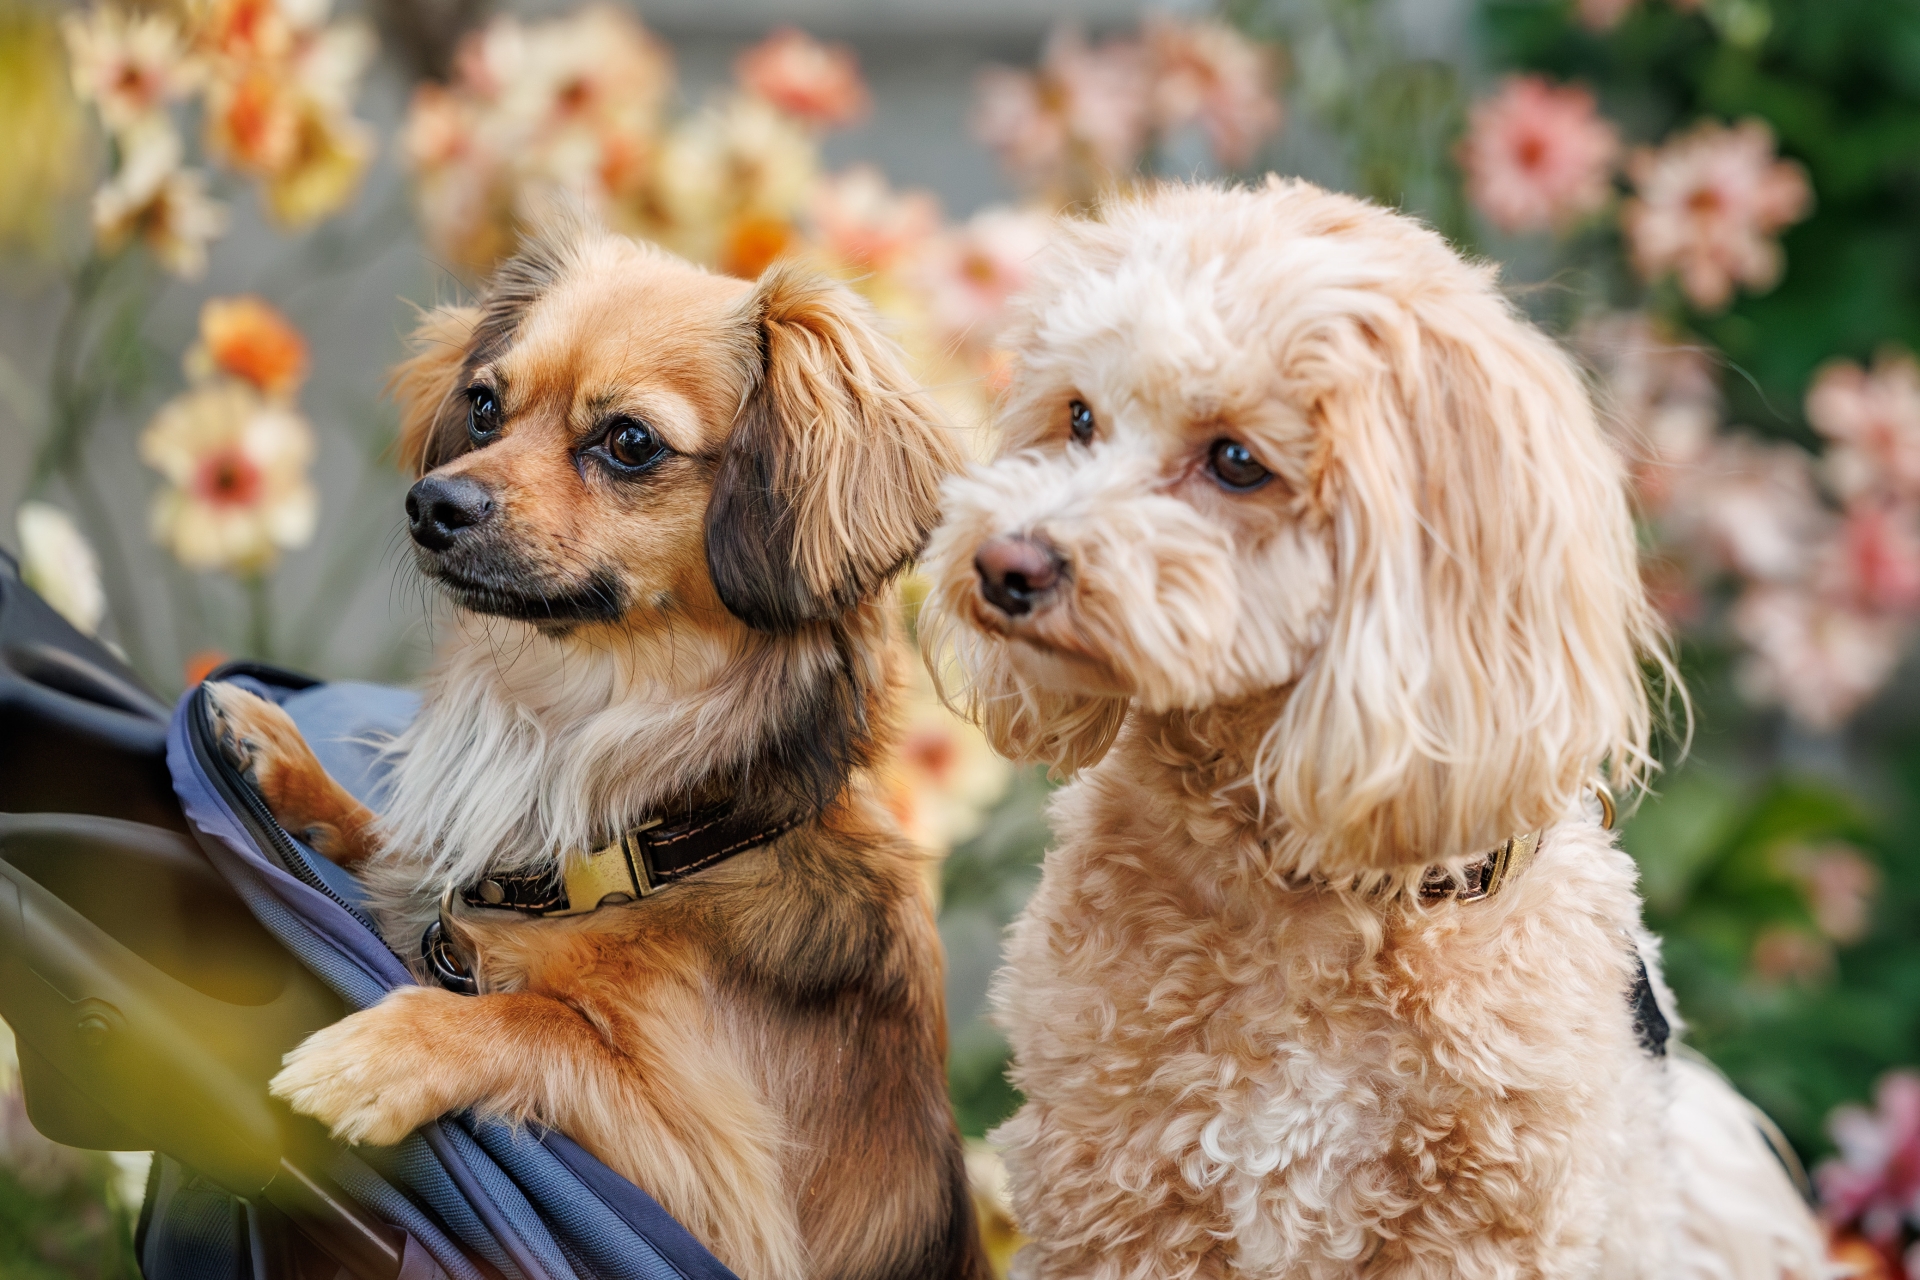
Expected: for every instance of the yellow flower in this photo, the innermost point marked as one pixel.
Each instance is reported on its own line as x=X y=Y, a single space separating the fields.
x=57 y=561
x=129 y=65
x=330 y=158
x=152 y=197
x=247 y=339
x=236 y=464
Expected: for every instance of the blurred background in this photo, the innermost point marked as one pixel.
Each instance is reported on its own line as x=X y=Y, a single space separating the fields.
x=217 y=218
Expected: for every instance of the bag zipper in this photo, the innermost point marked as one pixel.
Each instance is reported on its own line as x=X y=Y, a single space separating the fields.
x=253 y=812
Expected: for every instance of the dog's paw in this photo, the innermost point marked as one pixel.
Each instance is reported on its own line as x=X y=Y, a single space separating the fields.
x=372 y=1078
x=257 y=738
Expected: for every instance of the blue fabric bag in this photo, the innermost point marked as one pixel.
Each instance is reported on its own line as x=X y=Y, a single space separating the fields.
x=475 y=1199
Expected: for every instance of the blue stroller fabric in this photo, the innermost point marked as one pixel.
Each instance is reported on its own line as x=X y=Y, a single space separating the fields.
x=476 y=1199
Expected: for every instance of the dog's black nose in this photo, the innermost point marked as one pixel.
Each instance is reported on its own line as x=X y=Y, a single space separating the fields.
x=439 y=508
x=1017 y=574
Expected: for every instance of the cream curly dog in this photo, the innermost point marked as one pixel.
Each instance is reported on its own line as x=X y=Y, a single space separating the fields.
x=1308 y=556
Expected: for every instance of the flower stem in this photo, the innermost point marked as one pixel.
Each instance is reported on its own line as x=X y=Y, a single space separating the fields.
x=259 y=618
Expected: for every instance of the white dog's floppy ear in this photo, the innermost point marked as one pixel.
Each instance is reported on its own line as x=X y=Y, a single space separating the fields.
x=1485 y=654
x=831 y=478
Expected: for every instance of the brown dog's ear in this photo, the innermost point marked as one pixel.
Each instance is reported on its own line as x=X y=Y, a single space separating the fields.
x=426 y=385
x=831 y=479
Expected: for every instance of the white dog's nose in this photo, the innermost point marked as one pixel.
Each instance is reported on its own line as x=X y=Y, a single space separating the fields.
x=1018 y=574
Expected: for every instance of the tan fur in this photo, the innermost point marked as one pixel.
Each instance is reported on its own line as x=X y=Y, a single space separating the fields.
x=762 y=1046
x=1248 y=1047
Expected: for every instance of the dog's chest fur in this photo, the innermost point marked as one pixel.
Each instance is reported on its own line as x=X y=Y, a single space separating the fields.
x=1281 y=1083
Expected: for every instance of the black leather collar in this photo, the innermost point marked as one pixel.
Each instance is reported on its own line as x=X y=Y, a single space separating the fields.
x=643 y=860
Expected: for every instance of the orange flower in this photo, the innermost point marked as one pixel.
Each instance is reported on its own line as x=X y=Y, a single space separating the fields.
x=251 y=341
x=752 y=242
x=818 y=83
x=253 y=120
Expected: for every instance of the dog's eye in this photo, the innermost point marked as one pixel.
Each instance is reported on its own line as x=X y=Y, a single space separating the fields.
x=1235 y=467
x=633 y=445
x=1080 y=421
x=483 y=415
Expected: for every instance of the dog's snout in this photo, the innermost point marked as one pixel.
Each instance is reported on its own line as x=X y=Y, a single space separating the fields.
x=1017 y=574
x=438 y=509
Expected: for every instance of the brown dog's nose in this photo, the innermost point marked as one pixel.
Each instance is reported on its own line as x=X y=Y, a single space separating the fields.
x=438 y=509
x=1017 y=574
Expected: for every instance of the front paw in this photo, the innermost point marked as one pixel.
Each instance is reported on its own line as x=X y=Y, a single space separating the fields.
x=371 y=1078
x=254 y=736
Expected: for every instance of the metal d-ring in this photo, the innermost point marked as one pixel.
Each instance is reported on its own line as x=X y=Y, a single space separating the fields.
x=442 y=960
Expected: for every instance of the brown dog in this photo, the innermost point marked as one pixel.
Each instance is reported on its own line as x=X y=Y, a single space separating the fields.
x=668 y=506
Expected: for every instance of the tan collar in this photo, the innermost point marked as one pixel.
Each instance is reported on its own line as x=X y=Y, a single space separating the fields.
x=1484 y=876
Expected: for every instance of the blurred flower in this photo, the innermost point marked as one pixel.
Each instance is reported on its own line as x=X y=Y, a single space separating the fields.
x=128 y=65
x=971 y=272
x=1750 y=507
x=1537 y=156
x=1875 y=559
x=862 y=222
x=1085 y=106
x=993 y=1205
x=278 y=103
x=1600 y=15
x=247 y=339
x=1873 y=1185
x=1839 y=882
x=1709 y=203
x=57 y=561
x=733 y=174
x=237 y=467
x=945 y=775
x=41 y=147
x=1208 y=71
x=1659 y=397
x=571 y=106
x=152 y=197
x=817 y=83
x=200 y=664
x=1784 y=954
x=1819 y=659
x=1873 y=420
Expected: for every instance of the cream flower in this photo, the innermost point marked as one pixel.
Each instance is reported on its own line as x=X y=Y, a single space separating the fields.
x=152 y=197
x=1752 y=508
x=817 y=83
x=1873 y=420
x=1209 y=72
x=129 y=65
x=1537 y=156
x=236 y=465
x=973 y=271
x=1820 y=660
x=733 y=177
x=1709 y=205
x=864 y=224
x=57 y=561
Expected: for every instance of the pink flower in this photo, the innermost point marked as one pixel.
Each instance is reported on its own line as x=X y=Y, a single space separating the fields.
x=1601 y=15
x=1839 y=883
x=1537 y=156
x=972 y=272
x=1873 y=420
x=1751 y=507
x=865 y=224
x=1085 y=105
x=1659 y=397
x=1709 y=205
x=1875 y=1180
x=1875 y=559
x=1819 y=659
x=1209 y=72
x=819 y=83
